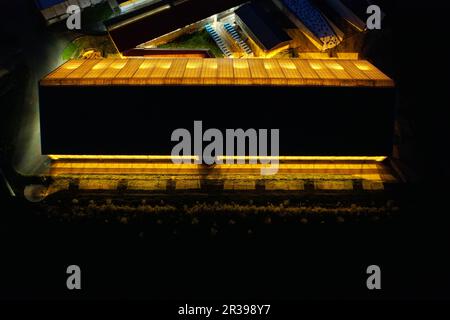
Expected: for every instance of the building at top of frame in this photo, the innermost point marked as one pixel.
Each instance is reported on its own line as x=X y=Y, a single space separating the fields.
x=163 y=18
x=56 y=10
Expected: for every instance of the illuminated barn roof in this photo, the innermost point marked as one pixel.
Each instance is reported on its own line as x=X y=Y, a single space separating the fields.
x=193 y=71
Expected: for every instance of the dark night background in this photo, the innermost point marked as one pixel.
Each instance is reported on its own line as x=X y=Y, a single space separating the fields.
x=316 y=121
x=314 y=262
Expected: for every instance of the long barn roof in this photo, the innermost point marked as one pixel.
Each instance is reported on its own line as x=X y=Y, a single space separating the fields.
x=196 y=71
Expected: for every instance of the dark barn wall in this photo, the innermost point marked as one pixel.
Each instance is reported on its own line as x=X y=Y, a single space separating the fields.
x=140 y=119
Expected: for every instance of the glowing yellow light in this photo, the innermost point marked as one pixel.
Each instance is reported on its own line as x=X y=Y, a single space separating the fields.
x=267 y=65
x=220 y=158
x=119 y=65
x=306 y=158
x=73 y=65
x=209 y=68
x=100 y=65
x=193 y=64
x=362 y=66
x=146 y=65
x=88 y=53
x=212 y=65
x=315 y=66
x=240 y=64
x=287 y=65
x=120 y=157
x=335 y=66
x=165 y=65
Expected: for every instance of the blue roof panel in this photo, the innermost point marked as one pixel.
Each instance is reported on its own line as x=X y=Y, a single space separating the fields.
x=44 y=4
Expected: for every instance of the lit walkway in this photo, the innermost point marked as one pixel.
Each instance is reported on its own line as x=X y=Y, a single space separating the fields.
x=295 y=176
x=233 y=33
x=345 y=170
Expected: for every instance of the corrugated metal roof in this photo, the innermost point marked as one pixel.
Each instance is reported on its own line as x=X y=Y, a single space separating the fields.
x=191 y=71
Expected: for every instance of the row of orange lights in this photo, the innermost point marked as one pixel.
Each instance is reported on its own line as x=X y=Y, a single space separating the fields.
x=239 y=64
x=220 y=158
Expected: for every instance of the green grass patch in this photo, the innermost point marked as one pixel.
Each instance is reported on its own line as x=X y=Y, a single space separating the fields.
x=197 y=40
x=69 y=51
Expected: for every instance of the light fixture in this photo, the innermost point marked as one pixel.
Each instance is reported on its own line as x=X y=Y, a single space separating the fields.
x=315 y=66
